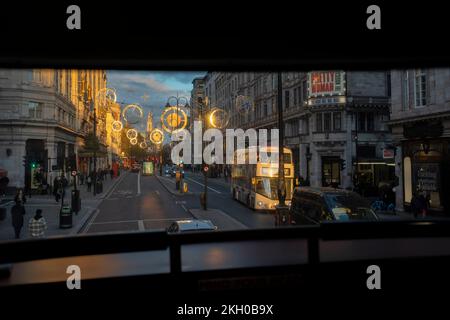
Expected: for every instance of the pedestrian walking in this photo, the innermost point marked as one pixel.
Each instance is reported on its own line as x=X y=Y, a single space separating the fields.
x=89 y=182
x=20 y=196
x=111 y=173
x=17 y=213
x=57 y=188
x=81 y=178
x=419 y=205
x=37 y=225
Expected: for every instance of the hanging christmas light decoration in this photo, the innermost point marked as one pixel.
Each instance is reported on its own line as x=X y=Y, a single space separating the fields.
x=157 y=136
x=117 y=126
x=132 y=113
x=132 y=134
x=133 y=141
x=174 y=118
x=218 y=118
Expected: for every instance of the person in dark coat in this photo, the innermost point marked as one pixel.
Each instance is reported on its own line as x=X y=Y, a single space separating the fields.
x=17 y=213
x=419 y=205
x=4 y=181
x=20 y=197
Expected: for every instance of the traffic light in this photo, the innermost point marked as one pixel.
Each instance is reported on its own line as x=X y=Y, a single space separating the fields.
x=342 y=164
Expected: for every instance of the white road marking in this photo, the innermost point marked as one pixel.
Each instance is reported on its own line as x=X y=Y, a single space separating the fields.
x=91 y=220
x=157 y=192
x=143 y=220
x=139 y=184
x=141 y=225
x=184 y=207
x=203 y=185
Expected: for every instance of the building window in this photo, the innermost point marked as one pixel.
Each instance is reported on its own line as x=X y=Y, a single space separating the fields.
x=405 y=91
x=295 y=97
x=388 y=84
x=336 y=121
x=265 y=110
x=370 y=122
x=35 y=110
x=304 y=91
x=286 y=99
x=327 y=122
x=420 y=80
x=319 y=122
x=361 y=121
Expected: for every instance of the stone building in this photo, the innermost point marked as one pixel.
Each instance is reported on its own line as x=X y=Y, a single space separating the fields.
x=43 y=120
x=420 y=122
x=335 y=121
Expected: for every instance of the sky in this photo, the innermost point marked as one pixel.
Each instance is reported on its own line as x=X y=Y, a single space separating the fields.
x=150 y=89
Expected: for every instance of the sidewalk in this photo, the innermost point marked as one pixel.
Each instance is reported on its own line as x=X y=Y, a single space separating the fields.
x=50 y=211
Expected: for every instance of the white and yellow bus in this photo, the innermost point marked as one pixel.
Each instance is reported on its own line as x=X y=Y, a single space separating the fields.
x=256 y=185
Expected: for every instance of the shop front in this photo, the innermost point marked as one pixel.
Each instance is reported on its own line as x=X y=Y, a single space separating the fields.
x=426 y=167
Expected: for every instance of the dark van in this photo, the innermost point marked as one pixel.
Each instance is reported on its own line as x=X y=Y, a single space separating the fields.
x=313 y=205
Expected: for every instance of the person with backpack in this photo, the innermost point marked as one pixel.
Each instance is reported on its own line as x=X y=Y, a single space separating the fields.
x=37 y=225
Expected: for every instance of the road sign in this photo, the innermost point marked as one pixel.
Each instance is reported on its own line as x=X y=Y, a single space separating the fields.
x=206 y=168
x=74 y=173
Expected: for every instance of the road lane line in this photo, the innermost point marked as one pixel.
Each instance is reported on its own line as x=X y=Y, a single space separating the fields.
x=121 y=178
x=157 y=192
x=204 y=185
x=139 y=184
x=184 y=208
x=143 y=220
x=91 y=221
x=141 y=225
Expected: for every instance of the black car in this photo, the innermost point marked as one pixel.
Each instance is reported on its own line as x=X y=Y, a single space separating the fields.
x=313 y=205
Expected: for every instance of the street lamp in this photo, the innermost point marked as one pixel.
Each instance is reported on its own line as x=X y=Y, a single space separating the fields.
x=282 y=210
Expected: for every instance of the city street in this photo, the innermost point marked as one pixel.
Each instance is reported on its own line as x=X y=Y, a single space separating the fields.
x=141 y=203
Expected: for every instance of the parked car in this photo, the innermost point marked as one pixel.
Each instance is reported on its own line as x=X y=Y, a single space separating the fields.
x=191 y=225
x=313 y=205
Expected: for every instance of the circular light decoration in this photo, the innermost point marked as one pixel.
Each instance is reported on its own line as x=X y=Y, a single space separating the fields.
x=106 y=97
x=132 y=134
x=218 y=118
x=157 y=136
x=173 y=118
x=117 y=126
x=143 y=145
x=132 y=113
x=244 y=104
x=133 y=141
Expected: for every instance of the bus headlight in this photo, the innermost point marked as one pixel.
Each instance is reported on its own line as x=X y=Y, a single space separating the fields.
x=260 y=204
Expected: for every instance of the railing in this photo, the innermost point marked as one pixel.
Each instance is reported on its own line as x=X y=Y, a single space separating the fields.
x=26 y=250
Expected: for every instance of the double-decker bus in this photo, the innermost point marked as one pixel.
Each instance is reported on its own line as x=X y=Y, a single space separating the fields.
x=256 y=185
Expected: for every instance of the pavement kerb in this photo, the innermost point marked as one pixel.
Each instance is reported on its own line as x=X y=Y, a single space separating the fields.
x=87 y=217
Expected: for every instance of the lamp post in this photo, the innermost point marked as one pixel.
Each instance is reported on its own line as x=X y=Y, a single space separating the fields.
x=205 y=172
x=282 y=210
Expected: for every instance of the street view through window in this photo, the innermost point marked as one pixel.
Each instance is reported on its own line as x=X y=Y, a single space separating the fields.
x=95 y=151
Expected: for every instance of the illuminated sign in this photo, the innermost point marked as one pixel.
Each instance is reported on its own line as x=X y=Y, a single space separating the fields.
x=326 y=83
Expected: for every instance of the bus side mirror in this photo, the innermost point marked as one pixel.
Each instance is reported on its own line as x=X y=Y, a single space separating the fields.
x=253 y=180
